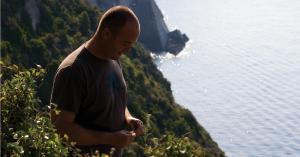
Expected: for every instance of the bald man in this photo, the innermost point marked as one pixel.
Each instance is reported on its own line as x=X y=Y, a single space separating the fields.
x=90 y=90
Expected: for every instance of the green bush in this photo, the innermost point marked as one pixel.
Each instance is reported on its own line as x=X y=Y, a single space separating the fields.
x=169 y=145
x=26 y=128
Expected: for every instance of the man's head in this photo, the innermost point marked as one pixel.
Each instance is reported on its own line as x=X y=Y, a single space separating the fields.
x=118 y=29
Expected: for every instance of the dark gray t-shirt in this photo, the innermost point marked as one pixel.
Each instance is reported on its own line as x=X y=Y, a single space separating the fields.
x=93 y=89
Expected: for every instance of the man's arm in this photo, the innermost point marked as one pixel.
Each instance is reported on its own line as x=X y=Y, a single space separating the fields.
x=127 y=115
x=65 y=124
x=135 y=123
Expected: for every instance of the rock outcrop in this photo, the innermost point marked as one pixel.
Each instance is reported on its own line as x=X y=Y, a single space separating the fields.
x=155 y=34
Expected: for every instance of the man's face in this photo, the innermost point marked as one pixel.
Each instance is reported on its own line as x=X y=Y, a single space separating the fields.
x=124 y=40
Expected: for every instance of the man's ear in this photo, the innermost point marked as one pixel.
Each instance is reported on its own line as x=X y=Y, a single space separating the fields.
x=106 y=34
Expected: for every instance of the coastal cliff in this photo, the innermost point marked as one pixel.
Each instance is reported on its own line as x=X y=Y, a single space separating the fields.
x=48 y=34
x=155 y=34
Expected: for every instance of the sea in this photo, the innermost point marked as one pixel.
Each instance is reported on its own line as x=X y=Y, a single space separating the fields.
x=240 y=72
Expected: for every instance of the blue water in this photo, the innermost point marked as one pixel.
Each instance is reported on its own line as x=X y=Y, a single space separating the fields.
x=240 y=73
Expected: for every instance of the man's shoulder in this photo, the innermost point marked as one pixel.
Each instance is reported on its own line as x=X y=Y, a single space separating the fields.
x=72 y=64
x=72 y=60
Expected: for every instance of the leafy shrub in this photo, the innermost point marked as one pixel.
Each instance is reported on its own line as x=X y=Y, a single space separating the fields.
x=26 y=126
x=169 y=145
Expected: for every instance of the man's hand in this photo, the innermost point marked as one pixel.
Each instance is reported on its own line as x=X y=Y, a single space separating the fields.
x=123 y=138
x=136 y=125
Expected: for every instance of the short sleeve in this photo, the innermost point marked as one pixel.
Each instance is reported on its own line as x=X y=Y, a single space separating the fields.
x=67 y=89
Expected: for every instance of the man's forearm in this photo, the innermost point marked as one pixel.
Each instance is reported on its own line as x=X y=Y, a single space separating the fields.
x=83 y=136
x=65 y=124
x=127 y=114
x=136 y=124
